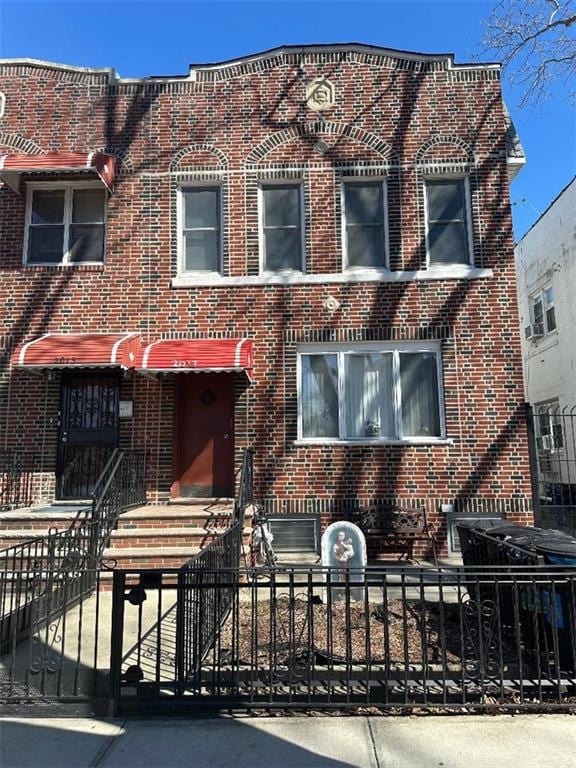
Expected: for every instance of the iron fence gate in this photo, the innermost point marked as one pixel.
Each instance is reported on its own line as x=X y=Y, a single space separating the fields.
x=552 y=434
x=312 y=638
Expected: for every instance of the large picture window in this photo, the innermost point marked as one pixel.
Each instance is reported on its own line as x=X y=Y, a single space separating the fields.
x=200 y=242
x=281 y=232
x=369 y=393
x=65 y=224
x=448 y=236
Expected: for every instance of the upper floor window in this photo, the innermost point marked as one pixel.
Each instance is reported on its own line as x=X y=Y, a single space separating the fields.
x=448 y=236
x=370 y=393
x=200 y=231
x=65 y=224
x=282 y=233
x=549 y=433
x=364 y=224
x=542 y=313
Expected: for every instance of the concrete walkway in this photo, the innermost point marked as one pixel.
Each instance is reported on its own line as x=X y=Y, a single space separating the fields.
x=530 y=741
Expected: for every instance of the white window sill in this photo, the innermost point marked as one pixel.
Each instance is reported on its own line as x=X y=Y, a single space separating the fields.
x=450 y=272
x=311 y=441
x=535 y=346
x=66 y=264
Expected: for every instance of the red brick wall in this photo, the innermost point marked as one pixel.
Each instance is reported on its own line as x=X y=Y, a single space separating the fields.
x=241 y=124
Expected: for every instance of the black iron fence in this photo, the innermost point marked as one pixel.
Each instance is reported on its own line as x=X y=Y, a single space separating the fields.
x=59 y=568
x=55 y=661
x=552 y=430
x=315 y=638
x=204 y=605
x=16 y=479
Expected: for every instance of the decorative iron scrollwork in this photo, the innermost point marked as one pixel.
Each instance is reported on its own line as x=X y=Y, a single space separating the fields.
x=481 y=639
x=292 y=657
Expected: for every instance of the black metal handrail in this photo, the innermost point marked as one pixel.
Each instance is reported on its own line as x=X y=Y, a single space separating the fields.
x=58 y=562
x=245 y=495
x=202 y=608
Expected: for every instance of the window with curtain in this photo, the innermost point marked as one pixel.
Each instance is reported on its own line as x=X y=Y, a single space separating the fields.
x=201 y=241
x=448 y=239
x=370 y=394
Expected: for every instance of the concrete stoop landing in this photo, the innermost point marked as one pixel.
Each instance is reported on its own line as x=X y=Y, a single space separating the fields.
x=19 y=525
x=150 y=536
x=167 y=535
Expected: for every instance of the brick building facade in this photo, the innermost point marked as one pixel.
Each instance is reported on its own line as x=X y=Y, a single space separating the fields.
x=344 y=209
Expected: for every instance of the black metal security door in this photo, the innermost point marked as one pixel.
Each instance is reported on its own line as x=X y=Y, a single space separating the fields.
x=88 y=431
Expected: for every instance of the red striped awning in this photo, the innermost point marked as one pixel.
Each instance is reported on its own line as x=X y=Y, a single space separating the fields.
x=196 y=355
x=13 y=166
x=78 y=350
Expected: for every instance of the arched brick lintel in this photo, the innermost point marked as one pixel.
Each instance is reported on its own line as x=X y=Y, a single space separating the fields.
x=437 y=139
x=181 y=154
x=367 y=138
x=19 y=143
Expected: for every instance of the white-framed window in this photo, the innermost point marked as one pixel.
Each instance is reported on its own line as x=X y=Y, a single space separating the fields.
x=200 y=229
x=549 y=432
x=448 y=221
x=542 y=313
x=370 y=393
x=364 y=228
x=65 y=223
x=282 y=227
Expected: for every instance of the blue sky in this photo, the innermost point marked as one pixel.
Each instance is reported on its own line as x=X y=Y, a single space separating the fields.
x=142 y=38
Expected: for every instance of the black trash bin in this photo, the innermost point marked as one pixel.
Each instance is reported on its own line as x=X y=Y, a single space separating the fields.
x=547 y=611
x=480 y=550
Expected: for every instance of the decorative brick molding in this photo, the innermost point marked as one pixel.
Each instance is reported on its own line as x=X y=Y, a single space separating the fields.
x=369 y=139
x=222 y=160
x=440 y=140
x=26 y=146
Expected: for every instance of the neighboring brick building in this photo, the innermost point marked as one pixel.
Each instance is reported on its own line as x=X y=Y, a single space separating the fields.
x=344 y=209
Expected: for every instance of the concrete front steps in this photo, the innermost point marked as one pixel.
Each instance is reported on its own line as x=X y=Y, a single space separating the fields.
x=167 y=535
x=19 y=525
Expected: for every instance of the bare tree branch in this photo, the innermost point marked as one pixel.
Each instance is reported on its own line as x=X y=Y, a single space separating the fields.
x=535 y=40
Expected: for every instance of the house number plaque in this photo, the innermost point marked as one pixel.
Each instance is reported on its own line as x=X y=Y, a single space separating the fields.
x=125 y=409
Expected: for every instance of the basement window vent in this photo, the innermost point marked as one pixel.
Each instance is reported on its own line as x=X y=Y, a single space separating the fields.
x=295 y=534
x=454 y=519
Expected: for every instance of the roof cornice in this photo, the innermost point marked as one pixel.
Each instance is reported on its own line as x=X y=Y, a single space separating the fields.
x=445 y=60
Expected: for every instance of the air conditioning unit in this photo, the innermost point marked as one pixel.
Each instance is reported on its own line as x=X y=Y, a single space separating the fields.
x=537 y=330
x=528 y=331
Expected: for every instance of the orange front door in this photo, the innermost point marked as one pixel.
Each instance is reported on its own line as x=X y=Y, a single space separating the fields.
x=204 y=456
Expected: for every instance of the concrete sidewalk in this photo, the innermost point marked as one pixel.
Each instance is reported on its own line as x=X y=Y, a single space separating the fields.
x=532 y=741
